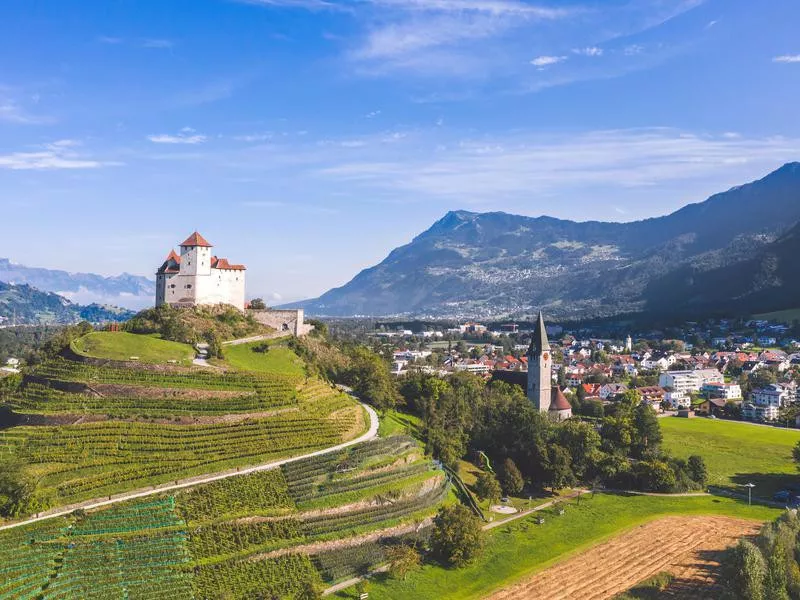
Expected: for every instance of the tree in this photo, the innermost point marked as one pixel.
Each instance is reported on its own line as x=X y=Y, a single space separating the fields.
x=696 y=467
x=487 y=486
x=257 y=304
x=558 y=470
x=654 y=476
x=744 y=571
x=647 y=431
x=510 y=478
x=581 y=441
x=457 y=536
x=402 y=559
x=371 y=379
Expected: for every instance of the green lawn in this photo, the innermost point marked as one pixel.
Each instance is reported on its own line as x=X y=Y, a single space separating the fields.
x=521 y=548
x=119 y=345
x=394 y=422
x=736 y=453
x=278 y=359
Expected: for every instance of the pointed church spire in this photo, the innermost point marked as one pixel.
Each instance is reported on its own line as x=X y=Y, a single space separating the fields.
x=539 y=341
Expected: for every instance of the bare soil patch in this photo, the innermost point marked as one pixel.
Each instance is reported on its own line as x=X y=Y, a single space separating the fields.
x=687 y=547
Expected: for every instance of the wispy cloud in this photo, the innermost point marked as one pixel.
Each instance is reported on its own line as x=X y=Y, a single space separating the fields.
x=589 y=51
x=787 y=58
x=60 y=154
x=479 y=40
x=158 y=44
x=12 y=110
x=187 y=135
x=519 y=166
x=546 y=61
x=108 y=39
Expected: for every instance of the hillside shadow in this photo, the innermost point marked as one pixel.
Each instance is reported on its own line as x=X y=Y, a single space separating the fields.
x=766 y=484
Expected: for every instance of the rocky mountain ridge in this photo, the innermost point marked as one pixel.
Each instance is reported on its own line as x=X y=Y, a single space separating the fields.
x=492 y=264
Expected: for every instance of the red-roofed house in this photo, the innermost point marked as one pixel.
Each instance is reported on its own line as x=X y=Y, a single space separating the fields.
x=195 y=277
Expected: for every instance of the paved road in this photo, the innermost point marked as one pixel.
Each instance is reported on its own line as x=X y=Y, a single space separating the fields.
x=151 y=491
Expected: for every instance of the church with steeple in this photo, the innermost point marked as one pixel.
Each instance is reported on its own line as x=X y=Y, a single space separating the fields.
x=541 y=393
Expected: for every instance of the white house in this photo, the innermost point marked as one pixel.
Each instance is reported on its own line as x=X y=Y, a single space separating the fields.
x=725 y=391
x=751 y=412
x=688 y=381
x=677 y=399
x=195 y=277
x=772 y=395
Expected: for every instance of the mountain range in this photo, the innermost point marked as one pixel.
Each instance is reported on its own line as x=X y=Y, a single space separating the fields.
x=736 y=251
x=26 y=305
x=130 y=291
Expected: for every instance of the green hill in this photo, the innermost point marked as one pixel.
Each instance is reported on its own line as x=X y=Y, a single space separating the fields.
x=123 y=346
x=91 y=423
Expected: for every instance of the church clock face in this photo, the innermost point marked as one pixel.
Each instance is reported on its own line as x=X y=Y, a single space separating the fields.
x=545 y=356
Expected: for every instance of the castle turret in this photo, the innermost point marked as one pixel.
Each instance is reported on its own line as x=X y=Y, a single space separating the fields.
x=196 y=255
x=540 y=368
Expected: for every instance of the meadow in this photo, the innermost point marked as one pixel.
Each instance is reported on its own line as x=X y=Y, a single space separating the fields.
x=736 y=453
x=120 y=345
x=521 y=548
x=278 y=358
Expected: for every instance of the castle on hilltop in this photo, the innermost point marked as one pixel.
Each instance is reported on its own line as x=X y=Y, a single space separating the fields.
x=195 y=277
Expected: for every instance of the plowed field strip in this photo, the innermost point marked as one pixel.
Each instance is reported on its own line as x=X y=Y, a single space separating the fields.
x=687 y=547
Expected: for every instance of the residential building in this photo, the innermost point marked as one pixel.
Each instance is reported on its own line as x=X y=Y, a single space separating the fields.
x=772 y=395
x=725 y=391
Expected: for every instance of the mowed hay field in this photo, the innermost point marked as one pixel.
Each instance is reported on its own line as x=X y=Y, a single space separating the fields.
x=736 y=453
x=519 y=549
x=119 y=345
x=689 y=548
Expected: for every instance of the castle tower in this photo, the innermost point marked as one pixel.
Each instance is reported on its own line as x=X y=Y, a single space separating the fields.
x=540 y=368
x=628 y=344
x=196 y=255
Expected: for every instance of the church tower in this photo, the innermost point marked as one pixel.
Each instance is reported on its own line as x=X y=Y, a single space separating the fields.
x=540 y=368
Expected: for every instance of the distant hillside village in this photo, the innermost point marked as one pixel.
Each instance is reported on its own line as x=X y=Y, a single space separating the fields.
x=748 y=370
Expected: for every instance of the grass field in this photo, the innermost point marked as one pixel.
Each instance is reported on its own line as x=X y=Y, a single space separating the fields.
x=736 y=453
x=522 y=548
x=278 y=359
x=119 y=345
x=394 y=422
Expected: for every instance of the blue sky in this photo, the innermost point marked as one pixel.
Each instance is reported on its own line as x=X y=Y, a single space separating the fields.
x=307 y=138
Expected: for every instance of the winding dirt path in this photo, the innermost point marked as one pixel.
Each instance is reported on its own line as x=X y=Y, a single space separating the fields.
x=688 y=547
x=370 y=434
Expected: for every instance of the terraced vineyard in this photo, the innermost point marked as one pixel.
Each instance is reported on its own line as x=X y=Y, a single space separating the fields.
x=243 y=537
x=91 y=427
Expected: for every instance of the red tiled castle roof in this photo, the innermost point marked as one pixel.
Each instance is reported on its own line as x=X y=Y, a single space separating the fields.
x=222 y=263
x=196 y=240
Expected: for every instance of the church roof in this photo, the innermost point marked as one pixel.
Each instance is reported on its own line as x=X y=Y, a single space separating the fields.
x=196 y=240
x=559 y=401
x=539 y=342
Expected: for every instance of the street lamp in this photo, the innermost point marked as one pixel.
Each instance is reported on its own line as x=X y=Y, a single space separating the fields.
x=749 y=487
